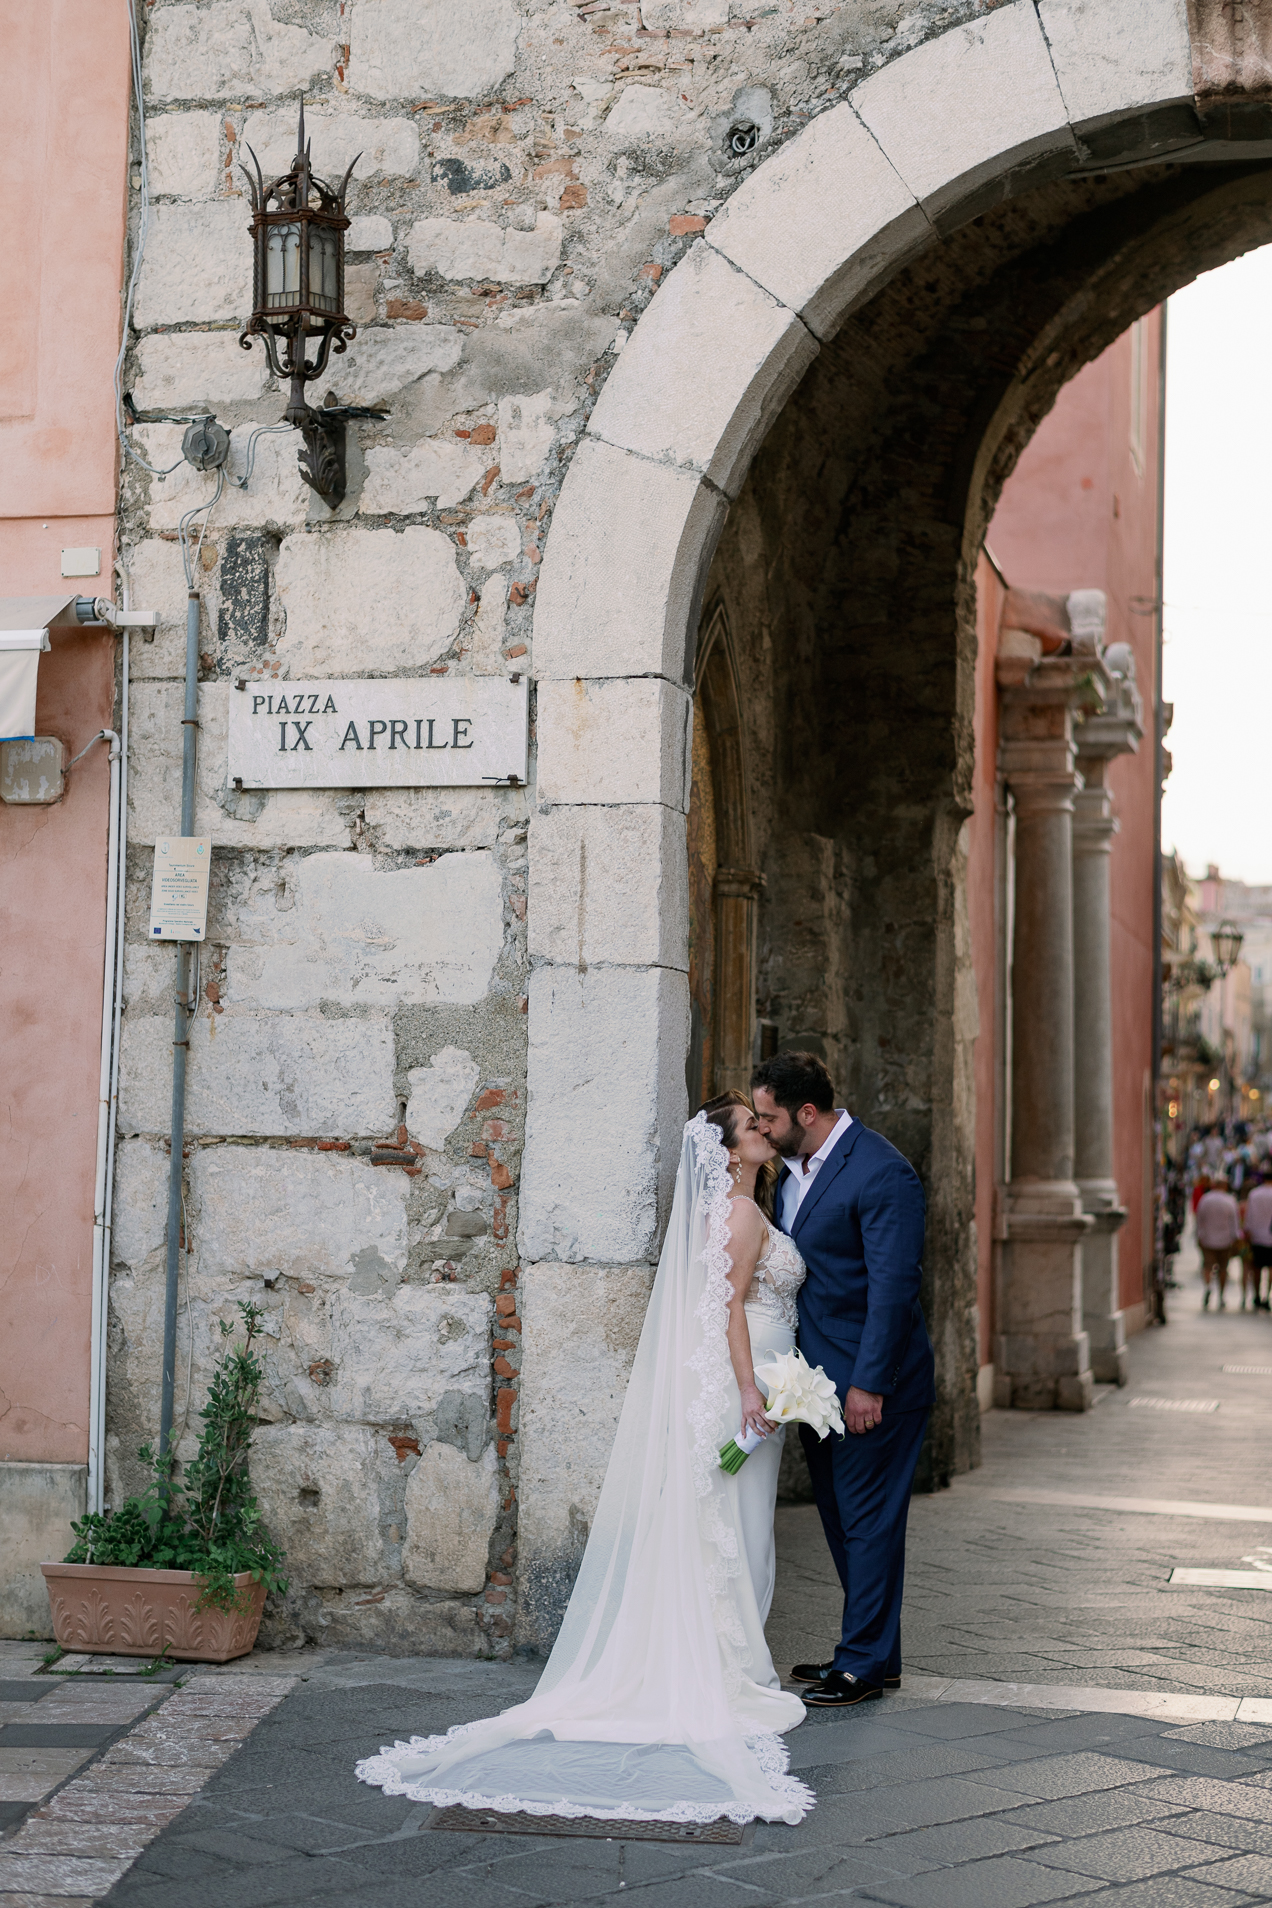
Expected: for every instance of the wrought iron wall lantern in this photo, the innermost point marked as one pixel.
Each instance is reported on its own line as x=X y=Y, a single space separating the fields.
x=298 y=227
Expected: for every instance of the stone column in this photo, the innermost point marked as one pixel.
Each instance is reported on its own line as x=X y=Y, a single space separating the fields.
x=736 y=892
x=1115 y=731
x=1042 y=1354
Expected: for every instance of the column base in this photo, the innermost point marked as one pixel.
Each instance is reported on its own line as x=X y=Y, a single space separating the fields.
x=1072 y=1393
x=1043 y=1355
x=1101 y=1313
x=1111 y=1367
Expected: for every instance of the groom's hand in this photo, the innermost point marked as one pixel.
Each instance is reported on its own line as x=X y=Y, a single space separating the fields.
x=863 y=1410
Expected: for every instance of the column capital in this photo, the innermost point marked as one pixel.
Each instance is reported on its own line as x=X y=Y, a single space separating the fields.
x=1101 y=734
x=1050 y=681
x=1117 y=728
x=1039 y=788
x=1094 y=823
x=742 y=884
x=1038 y=700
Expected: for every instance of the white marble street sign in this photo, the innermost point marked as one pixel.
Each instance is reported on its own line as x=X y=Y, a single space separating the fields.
x=404 y=732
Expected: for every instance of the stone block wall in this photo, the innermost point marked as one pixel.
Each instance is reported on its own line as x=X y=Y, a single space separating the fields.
x=524 y=176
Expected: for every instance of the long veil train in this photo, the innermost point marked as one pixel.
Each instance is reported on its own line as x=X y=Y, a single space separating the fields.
x=659 y=1700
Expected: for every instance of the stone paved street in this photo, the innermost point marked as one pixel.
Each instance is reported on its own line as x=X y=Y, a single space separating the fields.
x=919 y=1803
x=1073 y=1728
x=1005 y=1581
x=99 y=1755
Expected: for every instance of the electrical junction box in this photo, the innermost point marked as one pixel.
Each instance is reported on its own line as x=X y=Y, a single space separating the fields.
x=81 y=562
x=32 y=770
x=179 y=890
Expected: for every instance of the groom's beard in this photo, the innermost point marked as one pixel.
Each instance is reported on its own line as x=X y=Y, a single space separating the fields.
x=790 y=1144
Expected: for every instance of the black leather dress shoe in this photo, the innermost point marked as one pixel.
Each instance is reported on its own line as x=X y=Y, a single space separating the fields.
x=841 y=1691
x=816 y=1672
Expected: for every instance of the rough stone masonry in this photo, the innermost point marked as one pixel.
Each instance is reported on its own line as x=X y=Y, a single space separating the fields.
x=525 y=173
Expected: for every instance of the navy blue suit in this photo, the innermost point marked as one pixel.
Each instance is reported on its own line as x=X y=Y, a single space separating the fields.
x=859 y=1229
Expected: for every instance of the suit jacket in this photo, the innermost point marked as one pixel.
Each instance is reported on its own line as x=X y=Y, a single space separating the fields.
x=860 y=1232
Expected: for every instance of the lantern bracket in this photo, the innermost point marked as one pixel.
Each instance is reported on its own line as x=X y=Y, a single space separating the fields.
x=322 y=461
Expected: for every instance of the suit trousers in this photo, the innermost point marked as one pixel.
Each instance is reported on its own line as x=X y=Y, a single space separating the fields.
x=862 y=1486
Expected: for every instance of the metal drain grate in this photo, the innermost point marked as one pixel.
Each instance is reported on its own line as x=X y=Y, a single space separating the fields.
x=1175 y=1404
x=488 y=1822
x=1249 y=1371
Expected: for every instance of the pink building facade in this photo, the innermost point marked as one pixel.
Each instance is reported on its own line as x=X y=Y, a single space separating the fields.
x=66 y=159
x=1079 y=514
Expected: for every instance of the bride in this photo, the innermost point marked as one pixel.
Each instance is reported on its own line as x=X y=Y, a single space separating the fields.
x=659 y=1701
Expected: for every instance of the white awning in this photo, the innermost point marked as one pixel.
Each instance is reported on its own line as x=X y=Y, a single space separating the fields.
x=18 y=668
x=25 y=622
x=19 y=613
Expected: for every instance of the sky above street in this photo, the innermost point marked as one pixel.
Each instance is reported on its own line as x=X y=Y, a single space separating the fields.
x=1218 y=621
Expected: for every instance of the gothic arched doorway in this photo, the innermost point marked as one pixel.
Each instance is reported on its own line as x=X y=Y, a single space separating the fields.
x=723 y=885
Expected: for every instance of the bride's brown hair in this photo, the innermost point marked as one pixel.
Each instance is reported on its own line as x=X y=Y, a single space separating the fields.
x=723 y=1112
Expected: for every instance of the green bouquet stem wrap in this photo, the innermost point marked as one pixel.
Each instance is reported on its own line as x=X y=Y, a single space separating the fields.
x=736 y=1452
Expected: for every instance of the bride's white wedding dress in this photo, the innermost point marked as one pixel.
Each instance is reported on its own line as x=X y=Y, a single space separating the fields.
x=770 y=1315
x=659 y=1701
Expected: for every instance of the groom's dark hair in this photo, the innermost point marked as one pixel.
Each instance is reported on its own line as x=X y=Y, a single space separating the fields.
x=795 y=1080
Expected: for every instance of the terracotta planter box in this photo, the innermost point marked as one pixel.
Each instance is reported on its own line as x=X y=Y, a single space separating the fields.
x=107 y=1610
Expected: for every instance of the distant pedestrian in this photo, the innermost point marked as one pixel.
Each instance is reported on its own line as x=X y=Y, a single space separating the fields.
x=1218 y=1230
x=1256 y=1223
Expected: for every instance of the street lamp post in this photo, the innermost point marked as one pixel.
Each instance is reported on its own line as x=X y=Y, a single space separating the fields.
x=1226 y=941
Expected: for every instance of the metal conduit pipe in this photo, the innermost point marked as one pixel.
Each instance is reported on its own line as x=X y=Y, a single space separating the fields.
x=104 y=1201
x=184 y=1018
x=97 y=1374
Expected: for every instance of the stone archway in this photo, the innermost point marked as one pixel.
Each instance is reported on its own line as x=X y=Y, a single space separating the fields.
x=979 y=218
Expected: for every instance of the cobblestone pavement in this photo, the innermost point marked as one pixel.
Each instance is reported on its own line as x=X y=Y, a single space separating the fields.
x=920 y=1805
x=1116 y=1747
x=1006 y=1579
x=98 y=1756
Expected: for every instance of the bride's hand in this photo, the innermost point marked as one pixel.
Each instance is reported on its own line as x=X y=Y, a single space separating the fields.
x=753 y=1418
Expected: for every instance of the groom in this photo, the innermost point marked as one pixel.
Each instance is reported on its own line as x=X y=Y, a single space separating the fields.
x=854 y=1207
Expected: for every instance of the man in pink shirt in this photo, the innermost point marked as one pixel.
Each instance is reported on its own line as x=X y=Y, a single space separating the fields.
x=1256 y=1223
x=1218 y=1230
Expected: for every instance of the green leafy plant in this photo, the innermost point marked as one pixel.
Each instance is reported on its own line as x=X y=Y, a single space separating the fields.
x=209 y=1521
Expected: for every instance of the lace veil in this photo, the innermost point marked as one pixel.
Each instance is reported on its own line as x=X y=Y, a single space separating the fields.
x=652 y=1704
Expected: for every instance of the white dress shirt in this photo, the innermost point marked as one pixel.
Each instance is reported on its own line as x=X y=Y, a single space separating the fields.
x=798 y=1182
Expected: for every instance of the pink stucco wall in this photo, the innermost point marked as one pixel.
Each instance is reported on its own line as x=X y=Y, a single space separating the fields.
x=1080 y=512
x=66 y=182
x=62 y=234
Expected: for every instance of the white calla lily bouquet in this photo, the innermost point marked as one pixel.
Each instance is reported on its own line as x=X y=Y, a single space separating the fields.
x=798 y=1393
